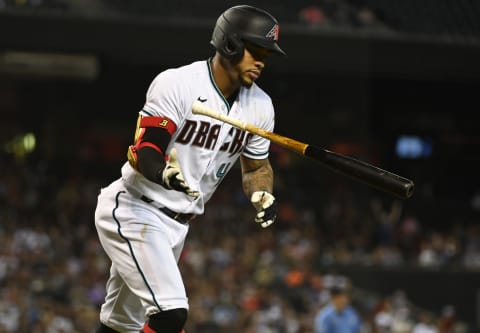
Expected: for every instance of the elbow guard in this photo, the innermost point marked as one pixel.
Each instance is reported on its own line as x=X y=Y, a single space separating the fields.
x=153 y=132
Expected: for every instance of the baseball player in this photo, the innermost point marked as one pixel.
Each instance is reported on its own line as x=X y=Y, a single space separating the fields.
x=176 y=163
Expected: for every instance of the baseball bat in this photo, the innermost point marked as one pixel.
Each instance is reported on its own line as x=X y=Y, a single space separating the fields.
x=346 y=165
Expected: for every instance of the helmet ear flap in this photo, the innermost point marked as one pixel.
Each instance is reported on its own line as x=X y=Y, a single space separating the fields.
x=233 y=47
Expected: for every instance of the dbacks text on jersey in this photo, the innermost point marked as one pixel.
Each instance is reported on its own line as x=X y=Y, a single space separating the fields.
x=205 y=135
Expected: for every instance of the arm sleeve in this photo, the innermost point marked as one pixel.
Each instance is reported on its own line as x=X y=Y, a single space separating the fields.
x=150 y=161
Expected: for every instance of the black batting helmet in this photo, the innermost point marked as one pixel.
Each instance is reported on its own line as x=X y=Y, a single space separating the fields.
x=245 y=23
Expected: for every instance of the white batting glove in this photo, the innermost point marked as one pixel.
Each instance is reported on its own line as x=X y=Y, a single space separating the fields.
x=266 y=207
x=172 y=176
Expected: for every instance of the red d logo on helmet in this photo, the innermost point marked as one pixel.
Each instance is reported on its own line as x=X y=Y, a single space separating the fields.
x=273 y=33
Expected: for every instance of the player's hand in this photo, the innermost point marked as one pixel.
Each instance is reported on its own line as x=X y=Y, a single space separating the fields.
x=266 y=207
x=172 y=176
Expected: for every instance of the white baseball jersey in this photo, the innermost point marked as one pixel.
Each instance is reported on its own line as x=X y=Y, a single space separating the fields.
x=145 y=244
x=207 y=148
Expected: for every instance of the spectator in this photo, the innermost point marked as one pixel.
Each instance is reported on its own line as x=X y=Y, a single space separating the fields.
x=425 y=324
x=313 y=16
x=447 y=321
x=338 y=316
x=383 y=319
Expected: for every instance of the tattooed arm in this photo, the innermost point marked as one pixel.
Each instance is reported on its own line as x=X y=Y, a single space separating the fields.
x=257 y=175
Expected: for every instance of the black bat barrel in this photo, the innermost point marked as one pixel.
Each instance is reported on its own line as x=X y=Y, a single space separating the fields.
x=362 y=171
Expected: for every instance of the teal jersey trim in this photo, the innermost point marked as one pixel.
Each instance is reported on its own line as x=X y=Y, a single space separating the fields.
x=210 y=73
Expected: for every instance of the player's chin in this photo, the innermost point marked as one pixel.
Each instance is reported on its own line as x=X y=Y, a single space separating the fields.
x=247 y=81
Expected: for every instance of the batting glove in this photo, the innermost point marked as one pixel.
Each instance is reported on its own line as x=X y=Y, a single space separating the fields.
x=172 y=177
x=266 y=207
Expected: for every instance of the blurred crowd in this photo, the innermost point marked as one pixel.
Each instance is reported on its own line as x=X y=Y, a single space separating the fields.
x=239 y=278
x=457 y=19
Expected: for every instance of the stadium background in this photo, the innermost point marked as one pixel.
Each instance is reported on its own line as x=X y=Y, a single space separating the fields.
x=394 y=83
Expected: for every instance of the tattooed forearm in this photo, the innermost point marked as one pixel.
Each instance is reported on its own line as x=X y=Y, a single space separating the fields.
x=257 y=175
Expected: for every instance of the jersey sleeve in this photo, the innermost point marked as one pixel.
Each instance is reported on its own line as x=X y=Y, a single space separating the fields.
x=164 y=97
x=258 y=147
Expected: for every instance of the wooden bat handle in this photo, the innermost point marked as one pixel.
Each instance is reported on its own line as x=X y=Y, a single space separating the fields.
x=291 y=144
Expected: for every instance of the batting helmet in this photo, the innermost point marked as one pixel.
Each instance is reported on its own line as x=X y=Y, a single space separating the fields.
x=245 y=23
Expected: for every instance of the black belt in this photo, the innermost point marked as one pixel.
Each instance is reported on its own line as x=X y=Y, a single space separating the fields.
x=180 y=217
